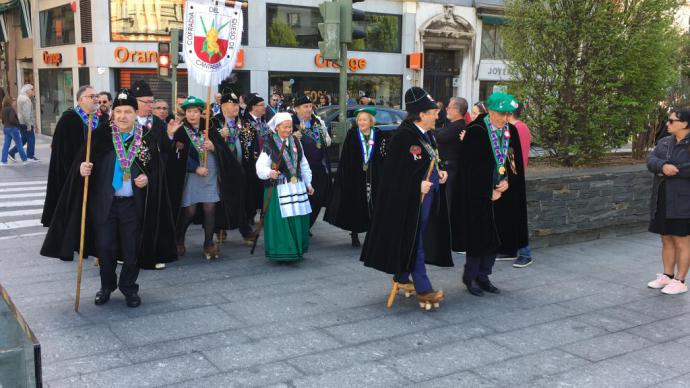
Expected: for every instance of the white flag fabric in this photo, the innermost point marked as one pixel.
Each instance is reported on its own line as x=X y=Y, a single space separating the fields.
x=212 y=37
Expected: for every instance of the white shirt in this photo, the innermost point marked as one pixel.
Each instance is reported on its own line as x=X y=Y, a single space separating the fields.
x=263 y=168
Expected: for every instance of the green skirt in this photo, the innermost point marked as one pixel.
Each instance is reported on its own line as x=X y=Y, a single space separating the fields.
x=285 y=239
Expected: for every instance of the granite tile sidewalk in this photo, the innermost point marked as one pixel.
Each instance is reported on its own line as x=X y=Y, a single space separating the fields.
x=581 y=316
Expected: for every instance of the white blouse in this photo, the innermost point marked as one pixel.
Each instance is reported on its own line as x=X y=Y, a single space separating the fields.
x=263 y=168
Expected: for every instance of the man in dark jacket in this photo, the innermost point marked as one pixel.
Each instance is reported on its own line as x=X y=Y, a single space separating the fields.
x=450 y=142
x=410 y=226
x=491 y=208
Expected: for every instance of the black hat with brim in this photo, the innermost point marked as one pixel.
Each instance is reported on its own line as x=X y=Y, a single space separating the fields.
x=418 y=100
x=125 y=98
x=302 y=100
x=141 y=89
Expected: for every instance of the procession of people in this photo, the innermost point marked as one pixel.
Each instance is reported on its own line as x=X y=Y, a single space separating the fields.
x=154 y=175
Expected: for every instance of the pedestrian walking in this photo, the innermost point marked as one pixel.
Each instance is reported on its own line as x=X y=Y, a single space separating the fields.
x=490 y=209
x=410 y=227
x=313 y=135
x=128 y=215
x=10 y=129
x=669 y=161
x=27 y=122
x=358 y=177
x=284 y=167
x=69 y=136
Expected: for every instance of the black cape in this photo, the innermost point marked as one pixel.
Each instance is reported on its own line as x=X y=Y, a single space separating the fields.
x=481 y=226
x=319 y=165
x=230 y=211
x=156 y=243
x=390 y=246
x=69 y=136
x=349 y=208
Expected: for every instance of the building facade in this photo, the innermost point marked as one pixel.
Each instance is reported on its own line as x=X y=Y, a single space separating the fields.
x=110 y=43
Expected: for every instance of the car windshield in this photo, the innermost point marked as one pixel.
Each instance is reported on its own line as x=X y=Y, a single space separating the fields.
x=383 y=117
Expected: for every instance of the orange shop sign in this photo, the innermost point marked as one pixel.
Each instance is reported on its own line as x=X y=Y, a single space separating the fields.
x=52 y=58
x=123 y=54
x=354 y=64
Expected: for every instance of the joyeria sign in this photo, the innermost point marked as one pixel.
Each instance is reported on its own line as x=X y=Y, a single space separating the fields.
x=354 y=64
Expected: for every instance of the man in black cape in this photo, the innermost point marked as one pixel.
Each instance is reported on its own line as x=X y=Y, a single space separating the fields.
x=258 y=130
x=145 y=101
x=406 y=232
x=313 y=134
x=490 y=208
x=128 y=213
x=68 y=138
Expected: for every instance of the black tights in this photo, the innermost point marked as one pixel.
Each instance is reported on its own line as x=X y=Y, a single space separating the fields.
x=187 y=217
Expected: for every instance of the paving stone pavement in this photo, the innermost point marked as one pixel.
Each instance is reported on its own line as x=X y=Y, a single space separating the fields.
x=581 y=316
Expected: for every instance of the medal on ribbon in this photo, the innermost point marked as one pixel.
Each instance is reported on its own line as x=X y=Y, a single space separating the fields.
x=367 y=148
x=197 y=140
x=233 y=130
x=126 y=155
x=500 y=139
x=289 y=155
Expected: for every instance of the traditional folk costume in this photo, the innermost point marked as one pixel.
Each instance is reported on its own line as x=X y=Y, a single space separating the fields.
x=150 y=122
x=209 y=200
x=316 y=140
x=123 y=221
x=253 y=137
x=227 y=134
x=70 y=135
x=286 y=222
x=357 y=180
x=407 y=233
x=481 y=226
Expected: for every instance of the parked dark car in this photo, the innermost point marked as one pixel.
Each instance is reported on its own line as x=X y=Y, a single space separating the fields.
x=387 y=119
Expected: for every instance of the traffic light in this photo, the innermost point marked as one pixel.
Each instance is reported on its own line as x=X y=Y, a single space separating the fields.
x=330 y=30
x=164 y=59
x=175 y=49
x=348 y=32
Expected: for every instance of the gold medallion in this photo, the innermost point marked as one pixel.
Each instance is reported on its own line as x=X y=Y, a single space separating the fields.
x=502 y=170
x=293 y=179
x=365 y=167
x=125 y=176
x=318 y=145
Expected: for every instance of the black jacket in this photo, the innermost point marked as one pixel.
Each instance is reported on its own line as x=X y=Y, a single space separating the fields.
x=668 y=151
x=448 y=139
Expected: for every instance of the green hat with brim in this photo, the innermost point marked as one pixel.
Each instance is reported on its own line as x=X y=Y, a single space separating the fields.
x=369 y=109
x=501 y=102
x=193 y=102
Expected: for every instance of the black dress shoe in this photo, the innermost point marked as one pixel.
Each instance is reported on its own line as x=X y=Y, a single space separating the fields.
x=355 y=240
x=133 y=300
x=102 y=297
x=488 y=287
x=473 y=288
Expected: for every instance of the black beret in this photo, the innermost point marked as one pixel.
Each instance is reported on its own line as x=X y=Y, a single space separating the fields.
x=141 y=89
x=125 y=98
x=302 y=100
x=418 y=100
x=252 y=99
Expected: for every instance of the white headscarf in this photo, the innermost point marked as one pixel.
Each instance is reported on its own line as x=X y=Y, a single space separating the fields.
x=277 y=119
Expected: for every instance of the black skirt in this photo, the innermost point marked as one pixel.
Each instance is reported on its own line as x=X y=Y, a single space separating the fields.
x=672 y=226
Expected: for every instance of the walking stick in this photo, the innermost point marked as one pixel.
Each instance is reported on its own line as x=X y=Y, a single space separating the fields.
x=396 y=286
x=274 y=166
x=208 y=119
x=83 y=215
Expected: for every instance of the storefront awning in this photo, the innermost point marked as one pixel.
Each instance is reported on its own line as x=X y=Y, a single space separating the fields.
x=493 y=19
x=3 y=29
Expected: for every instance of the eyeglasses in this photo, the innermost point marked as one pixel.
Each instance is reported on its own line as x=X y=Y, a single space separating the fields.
x=103 y=102
x=147 y=102
x=673 y=120
x=91 y=96
x=161 y=108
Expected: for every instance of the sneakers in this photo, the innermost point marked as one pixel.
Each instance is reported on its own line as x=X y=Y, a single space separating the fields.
x=35 y=159
x=12 y=158
x=675 y=287
x=522 y=262
x=505 y=257
x=660 y=282
x=2 y=164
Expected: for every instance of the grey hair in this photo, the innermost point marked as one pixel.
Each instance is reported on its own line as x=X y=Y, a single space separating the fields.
x=157 y=100
x=460 y=103
x=81 y=91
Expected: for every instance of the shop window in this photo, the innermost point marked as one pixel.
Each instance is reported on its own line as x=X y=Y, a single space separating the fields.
x=56 y=95
x=137 y=20
x=57 y=26
x=291 y=26
x=492 y=42
x=84 y=77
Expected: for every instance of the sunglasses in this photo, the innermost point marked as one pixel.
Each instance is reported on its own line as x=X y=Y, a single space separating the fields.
x=103 y=102
x=673 y=120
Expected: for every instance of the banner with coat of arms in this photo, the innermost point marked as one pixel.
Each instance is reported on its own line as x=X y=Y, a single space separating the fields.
x=212 y=37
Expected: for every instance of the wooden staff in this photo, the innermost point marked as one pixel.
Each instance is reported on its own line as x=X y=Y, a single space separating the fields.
x=274 y=166
x=208 y=119
x=83 y=215
x=395 y=287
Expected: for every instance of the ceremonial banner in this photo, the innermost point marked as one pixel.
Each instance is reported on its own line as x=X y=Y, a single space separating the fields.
x=212 y=36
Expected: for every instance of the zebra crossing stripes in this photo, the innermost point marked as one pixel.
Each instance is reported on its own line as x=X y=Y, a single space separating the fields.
x=21 y=206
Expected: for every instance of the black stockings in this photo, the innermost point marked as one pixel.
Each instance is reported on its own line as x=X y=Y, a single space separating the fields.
x=187 y=217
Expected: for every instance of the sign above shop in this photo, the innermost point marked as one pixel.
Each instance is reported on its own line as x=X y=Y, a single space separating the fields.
x=123 y=54
x=354 y=64
x=52 y=58
x=493 y=71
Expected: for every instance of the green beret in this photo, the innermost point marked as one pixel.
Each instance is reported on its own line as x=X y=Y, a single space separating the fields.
x=193 y=102
x=370 y=109
x=501 y=102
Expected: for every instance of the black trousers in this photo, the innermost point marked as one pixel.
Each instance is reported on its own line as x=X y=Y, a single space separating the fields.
x=117 y=238
x=452 y=170
x=479 y=267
